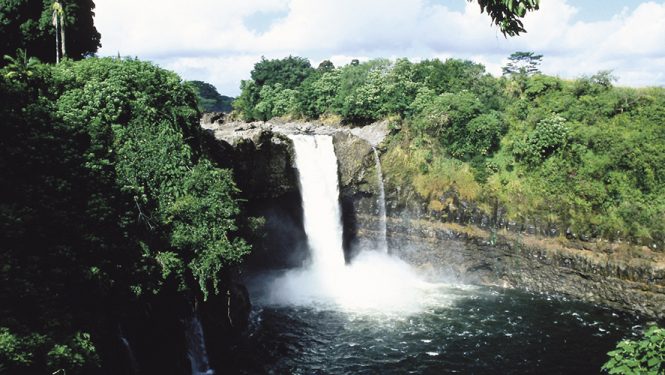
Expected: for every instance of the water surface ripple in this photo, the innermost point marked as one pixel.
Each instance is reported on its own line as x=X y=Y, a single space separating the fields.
x=477 y=330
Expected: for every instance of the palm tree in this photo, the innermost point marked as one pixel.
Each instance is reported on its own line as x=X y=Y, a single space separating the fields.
x=58 y=20
x=20 y=67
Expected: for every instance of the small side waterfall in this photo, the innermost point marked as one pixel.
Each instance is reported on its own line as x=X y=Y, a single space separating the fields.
x=130 y=353
x=196 y=348
x=383 y=242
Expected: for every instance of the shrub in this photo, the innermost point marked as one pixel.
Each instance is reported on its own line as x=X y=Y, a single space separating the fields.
x=642 y=357
x=549 y=135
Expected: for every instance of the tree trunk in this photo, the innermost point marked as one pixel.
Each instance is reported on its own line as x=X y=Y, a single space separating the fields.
x=57 y=40
x=62 y=35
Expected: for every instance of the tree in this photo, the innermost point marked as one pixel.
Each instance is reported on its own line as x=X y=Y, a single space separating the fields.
x=275 y=101
x=248 y=99
x=326 y=66
x=59 y=23
x=453 y=75
x=209 y=99
x=507 y=13
x=361 y=94
x=365 y=103
x=317 y=93
x=595 y=84
x=522 y=63
x=21 y=66
x=289 y=72
x=28 y=25
x=445 y=118
x=549 y=135
x=483 y=135
x=401 y=87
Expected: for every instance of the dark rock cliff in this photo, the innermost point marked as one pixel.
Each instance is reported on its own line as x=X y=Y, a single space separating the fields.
x=264 y=170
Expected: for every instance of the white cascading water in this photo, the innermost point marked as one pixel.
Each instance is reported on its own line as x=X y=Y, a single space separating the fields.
x=373 y=282
x=317 y=168
x=196 y=348
x=383 y=241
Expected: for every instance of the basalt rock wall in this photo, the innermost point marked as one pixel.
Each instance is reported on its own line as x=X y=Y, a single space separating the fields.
x=605 y=274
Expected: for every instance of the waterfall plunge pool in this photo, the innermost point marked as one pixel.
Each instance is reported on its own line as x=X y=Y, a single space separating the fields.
x=463 y=329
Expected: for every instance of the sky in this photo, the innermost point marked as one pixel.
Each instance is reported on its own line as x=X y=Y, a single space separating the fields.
x=219 y=41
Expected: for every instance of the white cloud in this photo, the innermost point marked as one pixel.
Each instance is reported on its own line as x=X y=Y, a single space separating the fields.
x=168 y=26
x=641 y=33
x=345 y=25
x=209 y=40
x=224 y=73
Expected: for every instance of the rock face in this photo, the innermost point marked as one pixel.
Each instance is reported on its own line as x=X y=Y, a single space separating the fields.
x=469 y=246
x=224 y=318
x=212 y=118
x=150 y=337
x=358 y=186
x=264 y=170
x=614 y=278
x=263 y=160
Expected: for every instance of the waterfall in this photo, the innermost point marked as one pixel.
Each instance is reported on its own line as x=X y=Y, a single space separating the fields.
x=383 y=242
x=317 y=169
x=196 y=348
x=130 y=353
x=374 y=280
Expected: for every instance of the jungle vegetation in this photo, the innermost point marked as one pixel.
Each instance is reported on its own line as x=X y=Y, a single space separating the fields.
x=580 y=155
x=108 y=197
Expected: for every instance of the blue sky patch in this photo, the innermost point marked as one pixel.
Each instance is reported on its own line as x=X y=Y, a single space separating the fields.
x=260 y=22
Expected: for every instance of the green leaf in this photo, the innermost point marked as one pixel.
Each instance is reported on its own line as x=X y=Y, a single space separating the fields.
x=653 y=362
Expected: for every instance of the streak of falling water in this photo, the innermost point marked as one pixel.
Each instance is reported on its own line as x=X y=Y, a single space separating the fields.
x=130 y=353
x=382 y=243
x=196 y=349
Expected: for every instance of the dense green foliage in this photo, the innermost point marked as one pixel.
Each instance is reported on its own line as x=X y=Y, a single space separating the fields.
x=580 y=155
x=209 y=99
x=107 y=197
x=642 y=357
x=27 y=25
x=270 y=91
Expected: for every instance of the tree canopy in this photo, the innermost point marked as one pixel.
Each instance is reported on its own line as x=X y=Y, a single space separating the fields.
x=28 y=25
x=525 y=63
